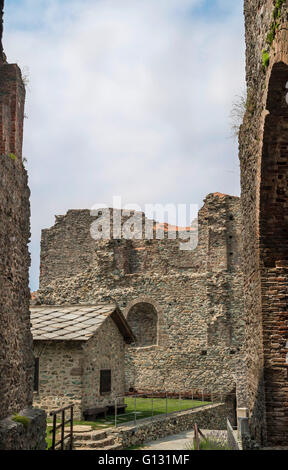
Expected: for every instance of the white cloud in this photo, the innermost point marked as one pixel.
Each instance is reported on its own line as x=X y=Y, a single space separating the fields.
x=127 y=97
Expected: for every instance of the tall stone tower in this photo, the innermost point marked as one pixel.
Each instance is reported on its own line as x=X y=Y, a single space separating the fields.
x=16 y=358
x=263 y=144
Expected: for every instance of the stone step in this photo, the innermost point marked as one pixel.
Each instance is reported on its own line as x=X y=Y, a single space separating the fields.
x=79 y=429
x=112 y=447
x=91 y=436
x=109 y=441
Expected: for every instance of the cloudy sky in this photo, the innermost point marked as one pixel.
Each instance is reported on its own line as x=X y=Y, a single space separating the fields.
x=126 y=97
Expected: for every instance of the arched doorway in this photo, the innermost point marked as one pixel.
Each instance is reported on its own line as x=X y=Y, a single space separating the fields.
x=143 y=320
x=273 y=238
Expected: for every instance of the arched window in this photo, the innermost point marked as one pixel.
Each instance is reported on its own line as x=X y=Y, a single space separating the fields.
x=143 y=320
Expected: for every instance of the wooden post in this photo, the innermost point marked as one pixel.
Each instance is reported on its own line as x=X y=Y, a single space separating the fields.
x=196 y=437
x=166 y=404
x=115 y=413
x=135 y=410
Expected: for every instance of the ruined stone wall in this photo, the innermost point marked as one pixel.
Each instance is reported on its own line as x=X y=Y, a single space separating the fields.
x=16 y=357
x=16 y=351
x=69 y=371
x=209 y=417
x=263 y=148
x=197 y=295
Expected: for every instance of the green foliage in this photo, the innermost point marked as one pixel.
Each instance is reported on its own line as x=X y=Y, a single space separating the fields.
x=265 y=58
x=22 y=420
x=12 y=156
x=208 y=444
x=275 y=23
x=49 y=437
x=272 y=33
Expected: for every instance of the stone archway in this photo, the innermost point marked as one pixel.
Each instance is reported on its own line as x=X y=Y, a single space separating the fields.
x=273 y=244
x=143 y=320
x=154 y=306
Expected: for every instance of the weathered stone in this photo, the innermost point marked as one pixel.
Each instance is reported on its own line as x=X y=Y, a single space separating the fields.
x=264 y=170
x=16 y=357
x=179 y=303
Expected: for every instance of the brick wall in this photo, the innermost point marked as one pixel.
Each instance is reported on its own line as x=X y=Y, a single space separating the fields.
x=263 y=158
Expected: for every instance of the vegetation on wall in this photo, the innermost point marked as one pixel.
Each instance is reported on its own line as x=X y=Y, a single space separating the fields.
x=274 y=26
x=243 y=103
x=22 y=420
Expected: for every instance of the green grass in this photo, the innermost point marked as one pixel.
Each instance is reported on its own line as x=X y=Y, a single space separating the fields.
x=144 y=405
x=143 y=410
x=48 y=437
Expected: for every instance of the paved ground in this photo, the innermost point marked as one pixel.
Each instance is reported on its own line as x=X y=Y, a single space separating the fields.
x=180 y=441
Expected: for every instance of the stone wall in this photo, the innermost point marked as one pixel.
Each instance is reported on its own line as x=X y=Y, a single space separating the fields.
x=197 y=295
x=210 y=417
x=16 y=358
x=105 y=350
x=16 y=436
x=60 y=375
x=69 y=371
x=263 y=158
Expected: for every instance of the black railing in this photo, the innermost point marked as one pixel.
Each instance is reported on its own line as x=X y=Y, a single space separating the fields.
x=64 y=435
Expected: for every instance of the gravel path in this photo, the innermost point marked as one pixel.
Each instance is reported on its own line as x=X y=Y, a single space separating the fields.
x=180 y=441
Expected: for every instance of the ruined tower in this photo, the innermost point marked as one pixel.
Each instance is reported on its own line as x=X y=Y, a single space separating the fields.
x=263 y=145
x=16 y=357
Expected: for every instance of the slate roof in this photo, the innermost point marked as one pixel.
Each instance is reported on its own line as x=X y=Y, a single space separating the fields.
x=75 y=322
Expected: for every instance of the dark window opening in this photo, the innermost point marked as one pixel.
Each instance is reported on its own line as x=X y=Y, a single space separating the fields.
x=143 y=320
x=36 y=374
x=105 y=381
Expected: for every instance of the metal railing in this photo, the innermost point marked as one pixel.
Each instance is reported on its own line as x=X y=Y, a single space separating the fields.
x=152 y=407
x=64 y=435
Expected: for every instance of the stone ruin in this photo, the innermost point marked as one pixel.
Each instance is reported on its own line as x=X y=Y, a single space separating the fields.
x=185 y=307
x=200 y=321
x=16 y=357
x=263 y=146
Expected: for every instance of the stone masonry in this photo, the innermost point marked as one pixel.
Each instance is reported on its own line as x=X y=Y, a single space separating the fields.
x=185 y=307
x=70 y=370
x=263 y=146
x=16 y=357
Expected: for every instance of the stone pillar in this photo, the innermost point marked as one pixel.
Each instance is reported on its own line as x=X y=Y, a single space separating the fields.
x=263 y=144
x=16 y=357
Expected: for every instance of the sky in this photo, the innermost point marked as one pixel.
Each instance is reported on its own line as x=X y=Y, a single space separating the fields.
x=127 y=98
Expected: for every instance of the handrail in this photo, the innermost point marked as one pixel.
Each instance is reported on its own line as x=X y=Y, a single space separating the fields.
x=62 y=427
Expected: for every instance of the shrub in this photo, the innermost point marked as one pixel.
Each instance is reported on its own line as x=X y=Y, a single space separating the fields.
x=265 y=58
x=209 y=444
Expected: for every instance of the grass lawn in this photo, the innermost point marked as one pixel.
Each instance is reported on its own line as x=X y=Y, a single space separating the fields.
x=143 y=410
